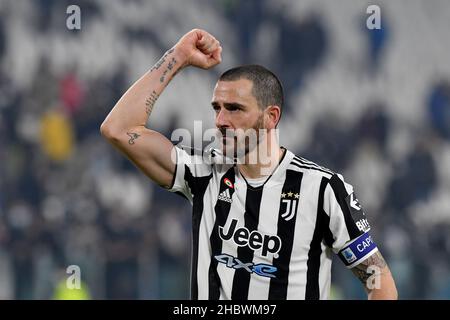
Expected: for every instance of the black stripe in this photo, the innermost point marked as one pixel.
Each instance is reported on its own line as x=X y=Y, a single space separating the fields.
x=241 y=280
x=279 y=285
x=310 y=163
x=221 y=209
x=341 y=193
x=312 y=275
x=198 y=187
x=307 y=167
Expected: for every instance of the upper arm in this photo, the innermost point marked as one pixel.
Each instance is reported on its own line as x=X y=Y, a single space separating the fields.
x=348 y=226
x=347 y=220
x=150 y=151
x=351 y=239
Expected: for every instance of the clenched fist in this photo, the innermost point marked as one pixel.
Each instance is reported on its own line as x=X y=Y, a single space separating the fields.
x=200 y=49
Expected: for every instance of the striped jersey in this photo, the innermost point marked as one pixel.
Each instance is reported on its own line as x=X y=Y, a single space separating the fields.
x=272 y=241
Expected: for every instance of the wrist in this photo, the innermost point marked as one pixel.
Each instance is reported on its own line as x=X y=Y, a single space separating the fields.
x=180 y=56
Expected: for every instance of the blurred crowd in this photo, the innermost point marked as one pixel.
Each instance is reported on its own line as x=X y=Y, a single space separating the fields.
x=373 y=105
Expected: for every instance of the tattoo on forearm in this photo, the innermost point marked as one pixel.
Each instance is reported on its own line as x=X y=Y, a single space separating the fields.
x=133 y=136
x=150 y=102
x=170 y=66
x=369 y=269
x=161 y=61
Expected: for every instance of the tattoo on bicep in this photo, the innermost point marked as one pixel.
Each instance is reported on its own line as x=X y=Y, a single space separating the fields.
x=150 y=102
x=133 y=136
x=369 y=270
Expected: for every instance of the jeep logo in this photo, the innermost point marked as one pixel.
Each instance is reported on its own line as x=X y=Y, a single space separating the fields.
x=255 y=240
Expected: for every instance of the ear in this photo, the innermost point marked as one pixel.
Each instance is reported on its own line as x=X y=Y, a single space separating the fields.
x=272 y=116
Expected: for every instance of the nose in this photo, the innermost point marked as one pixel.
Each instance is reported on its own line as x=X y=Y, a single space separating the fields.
x=222 y=120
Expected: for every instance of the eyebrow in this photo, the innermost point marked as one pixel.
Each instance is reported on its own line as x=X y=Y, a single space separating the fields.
x=229 y=105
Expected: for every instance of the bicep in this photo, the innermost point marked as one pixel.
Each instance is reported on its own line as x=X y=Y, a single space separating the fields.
x=151 y=152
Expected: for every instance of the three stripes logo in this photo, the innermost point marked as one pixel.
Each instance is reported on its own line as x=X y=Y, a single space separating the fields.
x=225 y=196
x=290 y=200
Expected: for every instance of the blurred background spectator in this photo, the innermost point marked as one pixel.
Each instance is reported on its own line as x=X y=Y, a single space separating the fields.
x=371 y=104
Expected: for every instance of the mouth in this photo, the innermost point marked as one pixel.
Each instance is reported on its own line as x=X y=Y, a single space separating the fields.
x=226 y=135
x=228 y=140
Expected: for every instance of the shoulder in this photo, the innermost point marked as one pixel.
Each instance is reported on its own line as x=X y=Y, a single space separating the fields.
x=217 y=160
x=334 y=179
x=199 y=156
x=306 y=166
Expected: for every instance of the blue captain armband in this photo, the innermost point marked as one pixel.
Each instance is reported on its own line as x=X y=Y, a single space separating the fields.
x=358 y=250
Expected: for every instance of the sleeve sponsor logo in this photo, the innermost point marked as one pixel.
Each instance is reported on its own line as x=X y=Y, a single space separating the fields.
x=357 y=213
x=363 y=225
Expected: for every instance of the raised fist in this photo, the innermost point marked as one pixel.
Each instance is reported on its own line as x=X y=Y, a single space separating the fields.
x=200 y=49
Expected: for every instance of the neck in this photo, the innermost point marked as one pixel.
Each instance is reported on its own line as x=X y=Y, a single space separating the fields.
x=262 y=160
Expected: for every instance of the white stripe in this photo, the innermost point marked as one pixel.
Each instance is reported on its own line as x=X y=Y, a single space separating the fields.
x=204 y=245
x=305 y=167
x=307 y=170
x=267 y=224
x=313 y=164
x=304 y=231
x=337 y=222
x=325 y=272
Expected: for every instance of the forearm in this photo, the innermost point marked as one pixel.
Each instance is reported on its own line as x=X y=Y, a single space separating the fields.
x=136 y=105
x=376 y=278
x=386 y=290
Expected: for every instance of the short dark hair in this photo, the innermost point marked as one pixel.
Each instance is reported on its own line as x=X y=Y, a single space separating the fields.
x=267 y=88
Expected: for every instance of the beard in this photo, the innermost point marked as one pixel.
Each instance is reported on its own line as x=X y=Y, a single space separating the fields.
x=237 y=144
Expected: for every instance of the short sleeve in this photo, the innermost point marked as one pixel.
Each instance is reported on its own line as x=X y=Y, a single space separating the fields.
x=191 y=165
x=347 y=222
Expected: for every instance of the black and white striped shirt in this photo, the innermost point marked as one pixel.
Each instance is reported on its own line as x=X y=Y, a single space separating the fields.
x=274 y=241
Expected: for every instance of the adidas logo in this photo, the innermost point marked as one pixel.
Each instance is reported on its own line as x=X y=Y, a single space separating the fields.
x=225 y=196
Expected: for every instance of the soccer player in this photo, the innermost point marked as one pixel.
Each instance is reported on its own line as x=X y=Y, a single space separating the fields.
x=266 y=223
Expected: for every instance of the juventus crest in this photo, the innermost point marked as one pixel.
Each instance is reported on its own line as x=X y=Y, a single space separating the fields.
x=290 y=202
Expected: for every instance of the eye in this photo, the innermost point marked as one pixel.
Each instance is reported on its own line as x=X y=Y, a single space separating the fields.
x=234 y=107
x=216 y=108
